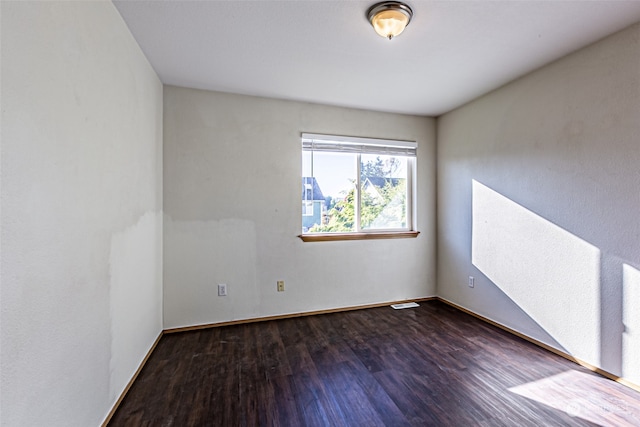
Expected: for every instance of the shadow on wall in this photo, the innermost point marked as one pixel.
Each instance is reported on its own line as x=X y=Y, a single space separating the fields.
x=562 y=282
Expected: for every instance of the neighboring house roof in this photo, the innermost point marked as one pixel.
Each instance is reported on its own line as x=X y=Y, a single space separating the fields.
x=373 y=184
x=380 y=181
x=311 y=189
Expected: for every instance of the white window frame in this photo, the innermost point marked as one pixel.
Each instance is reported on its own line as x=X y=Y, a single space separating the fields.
x=358 y=145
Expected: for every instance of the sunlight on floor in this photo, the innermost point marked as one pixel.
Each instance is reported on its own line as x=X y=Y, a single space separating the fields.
x=586 y=396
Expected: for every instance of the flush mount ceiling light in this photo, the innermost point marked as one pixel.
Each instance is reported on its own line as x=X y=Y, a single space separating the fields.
x=389 y=18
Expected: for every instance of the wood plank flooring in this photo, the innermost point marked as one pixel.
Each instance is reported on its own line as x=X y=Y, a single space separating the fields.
x=427 y=366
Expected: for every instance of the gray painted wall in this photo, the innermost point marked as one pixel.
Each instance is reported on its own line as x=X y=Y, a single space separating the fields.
x=81 y=204
x=538 y=198
x=232 y=168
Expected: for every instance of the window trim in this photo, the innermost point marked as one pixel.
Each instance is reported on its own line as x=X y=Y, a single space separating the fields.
x=358 y=145
x=371 y=235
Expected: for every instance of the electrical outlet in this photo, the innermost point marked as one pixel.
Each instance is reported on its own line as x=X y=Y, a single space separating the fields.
x=222 y=290
x=472 y=282
x=280 y=285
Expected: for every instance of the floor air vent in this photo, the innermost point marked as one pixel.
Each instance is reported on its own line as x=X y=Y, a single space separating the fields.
x=404 y=305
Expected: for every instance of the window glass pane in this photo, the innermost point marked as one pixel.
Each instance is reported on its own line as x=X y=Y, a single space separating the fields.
x=328 y=181
x=383 y=188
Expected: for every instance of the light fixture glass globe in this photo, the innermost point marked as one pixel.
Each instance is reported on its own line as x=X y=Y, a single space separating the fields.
x=390 y=18
x=390 y=23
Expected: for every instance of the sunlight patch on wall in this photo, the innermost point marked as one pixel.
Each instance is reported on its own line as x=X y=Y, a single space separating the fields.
x=585 y=396
x=631 y=321
x=550 y=273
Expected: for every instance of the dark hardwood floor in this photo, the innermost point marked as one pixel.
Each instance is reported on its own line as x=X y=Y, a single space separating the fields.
x=427 y=366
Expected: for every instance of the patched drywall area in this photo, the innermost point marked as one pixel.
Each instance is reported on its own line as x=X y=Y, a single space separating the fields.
x=233 y=242
x=538 y=200
x=232 y=168
x=136 y=303
x=81 y=208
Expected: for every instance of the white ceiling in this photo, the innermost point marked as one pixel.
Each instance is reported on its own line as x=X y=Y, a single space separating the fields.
x=326 y=52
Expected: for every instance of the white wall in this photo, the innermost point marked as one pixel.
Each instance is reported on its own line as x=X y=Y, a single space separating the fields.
x=81 y=200
x=538 y=198
x=232 y=167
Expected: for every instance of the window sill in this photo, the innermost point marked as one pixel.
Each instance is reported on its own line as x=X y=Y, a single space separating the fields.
x=330 y=237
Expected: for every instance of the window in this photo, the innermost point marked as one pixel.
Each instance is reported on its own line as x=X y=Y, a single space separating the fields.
x=307 y=208
x=361 y=187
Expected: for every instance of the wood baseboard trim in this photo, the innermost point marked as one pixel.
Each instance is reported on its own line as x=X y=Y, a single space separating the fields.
x=291 y=315
x=130 y=383
x=547 y=347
